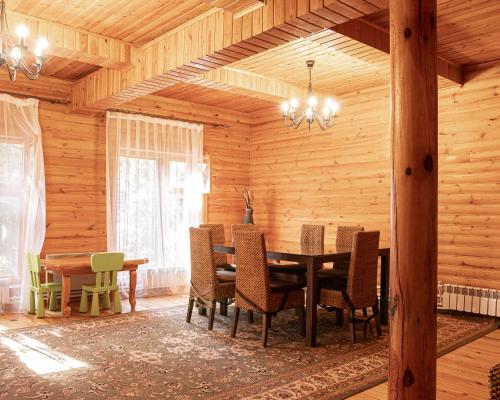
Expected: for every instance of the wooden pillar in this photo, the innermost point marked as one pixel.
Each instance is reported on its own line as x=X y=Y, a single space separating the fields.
x=413 y=272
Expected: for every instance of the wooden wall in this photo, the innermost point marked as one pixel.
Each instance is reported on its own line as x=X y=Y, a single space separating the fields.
x=74 y=152
x=342 y=176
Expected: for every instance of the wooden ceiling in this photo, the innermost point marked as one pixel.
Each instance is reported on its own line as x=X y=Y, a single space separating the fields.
x=67 y=69
x=134 y=21
x=468 y=31
x=341 y=66
x=217 y=98
x=468 y=37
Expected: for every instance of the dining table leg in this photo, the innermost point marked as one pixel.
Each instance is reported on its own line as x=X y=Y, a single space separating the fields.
x=66 y=290
x=133 y=286
x=384 y=289
x=311 y=302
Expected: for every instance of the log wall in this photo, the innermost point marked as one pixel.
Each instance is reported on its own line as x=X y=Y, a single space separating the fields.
x=342 y=176
x=75 y=168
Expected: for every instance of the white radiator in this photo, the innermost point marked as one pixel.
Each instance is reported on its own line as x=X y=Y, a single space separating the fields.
x=469 y=299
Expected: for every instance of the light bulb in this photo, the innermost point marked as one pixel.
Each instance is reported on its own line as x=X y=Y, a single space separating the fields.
x=334 y=107
x=294 y=102
x=22 y=31
x=309 y=114
x=42 y=44
x=328 y=102
x=15 y=54
x=284 y=107
x=312 y=101
x=326 y=112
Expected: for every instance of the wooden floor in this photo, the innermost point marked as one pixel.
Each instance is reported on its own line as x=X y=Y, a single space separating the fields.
x=462 y=374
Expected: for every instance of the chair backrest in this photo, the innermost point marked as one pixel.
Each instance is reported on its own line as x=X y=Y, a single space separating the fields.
x=312 y=238
x=106 y=267
x=345 y=235
x=252 y=274
x=34 y=268
x=66 y=255
x=362 y=281
x=203 y=269
x=218 y=237
x=242 y=228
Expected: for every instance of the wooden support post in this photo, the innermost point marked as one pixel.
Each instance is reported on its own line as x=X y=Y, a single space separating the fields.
x=413 y=271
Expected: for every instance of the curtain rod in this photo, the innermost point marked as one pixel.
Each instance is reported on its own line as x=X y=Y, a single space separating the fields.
x=214 y=125
x=24 y=96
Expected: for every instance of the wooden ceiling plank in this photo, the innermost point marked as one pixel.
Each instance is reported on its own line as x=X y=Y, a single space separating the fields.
x=77 y=45
x=180 y=52
x=378 y=38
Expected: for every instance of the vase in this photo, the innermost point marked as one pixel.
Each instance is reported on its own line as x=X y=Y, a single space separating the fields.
x=248 y=216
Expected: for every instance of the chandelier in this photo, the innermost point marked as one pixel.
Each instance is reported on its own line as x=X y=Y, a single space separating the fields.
x=294 y=117
x=14 y=55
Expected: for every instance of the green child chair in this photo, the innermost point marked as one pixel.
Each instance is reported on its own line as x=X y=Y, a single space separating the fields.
x=38 y=289
x=106 y=267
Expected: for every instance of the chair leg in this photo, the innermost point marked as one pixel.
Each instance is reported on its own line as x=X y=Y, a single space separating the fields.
x=190 y=310
x=352 y=328
x=266 y=321
x=106 y=304
x=235 y=321
x=53 y=301
x=84 y=302
x=250 y=316
x=32 y=309
x=223 y=307
x=302 y=321
x=339 y=317
x=40 y=309
x=378 y=326
x=212 y=315
x=117 y=302
x=94 y=308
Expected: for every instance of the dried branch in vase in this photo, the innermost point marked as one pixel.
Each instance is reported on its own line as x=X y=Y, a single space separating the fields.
x=248 y=197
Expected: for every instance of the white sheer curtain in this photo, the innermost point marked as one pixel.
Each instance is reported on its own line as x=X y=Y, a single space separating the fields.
x=22 y=197
x=154 y=194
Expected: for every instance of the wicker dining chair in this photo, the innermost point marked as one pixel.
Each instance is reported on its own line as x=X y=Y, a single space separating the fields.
x=340 y=270
x=359 y=291
x=206 y=287
x=312 y=239
x=255 y=291
x=225 y=271
x=218 y=237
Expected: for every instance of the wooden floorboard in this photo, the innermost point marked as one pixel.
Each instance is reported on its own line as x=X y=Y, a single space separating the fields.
x=461 y=374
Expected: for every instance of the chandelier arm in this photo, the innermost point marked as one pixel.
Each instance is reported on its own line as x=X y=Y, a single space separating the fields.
x=320 y=122
x=296 y=122
x=27 y=70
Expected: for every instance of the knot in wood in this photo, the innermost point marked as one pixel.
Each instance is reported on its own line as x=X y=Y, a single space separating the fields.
x=394 y=305
x=408 y=378
x=408 y=171
x=407 y=33
x=428 y=163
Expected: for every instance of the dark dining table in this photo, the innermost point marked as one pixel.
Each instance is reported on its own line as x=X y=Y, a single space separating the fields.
x=314 y=260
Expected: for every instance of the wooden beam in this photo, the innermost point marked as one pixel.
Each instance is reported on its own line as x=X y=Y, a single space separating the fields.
x=75 y=44
x=184 y=110
x=44 y=88
x=378 y=38
x=213 y=41
x=249 y=84
x=414 y=130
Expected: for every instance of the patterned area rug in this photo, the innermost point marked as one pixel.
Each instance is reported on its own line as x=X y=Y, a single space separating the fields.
x=157 y=355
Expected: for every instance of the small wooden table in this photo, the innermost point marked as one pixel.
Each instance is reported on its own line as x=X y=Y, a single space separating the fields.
x=313 y=260
x=68 y=266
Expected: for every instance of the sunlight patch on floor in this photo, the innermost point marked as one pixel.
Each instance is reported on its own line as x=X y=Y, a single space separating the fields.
x=38 y=357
